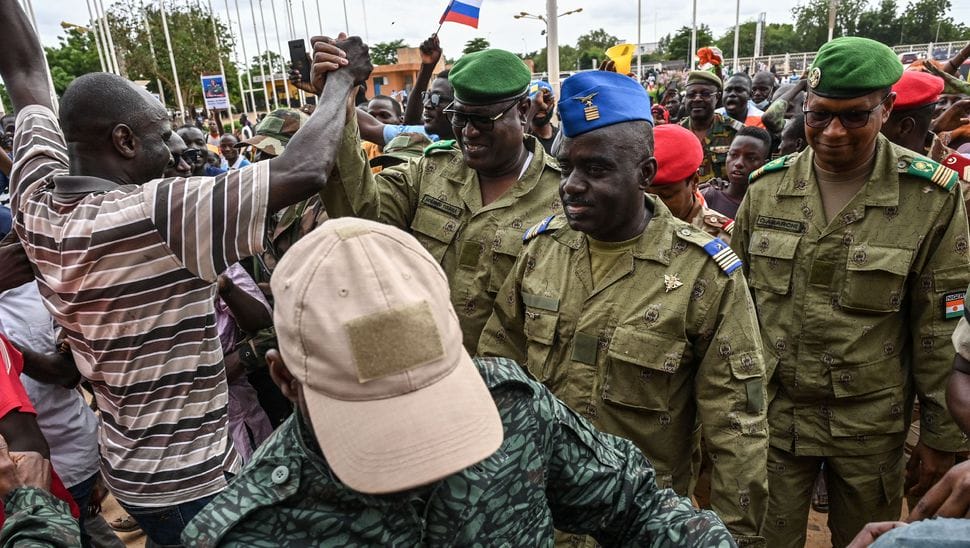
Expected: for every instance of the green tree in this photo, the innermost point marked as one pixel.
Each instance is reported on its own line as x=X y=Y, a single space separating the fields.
x=597 y=39
x=776 y=39
x=385 y=53
x=76 y=54
x=812 y=21
x=880 y=23
x=194 y=44
x=924 y=20
x=476 y=44
x=269 y=61
x=677 y=46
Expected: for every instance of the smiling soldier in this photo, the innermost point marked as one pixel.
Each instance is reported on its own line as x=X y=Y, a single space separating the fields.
x=856 y=254
x=635 y=319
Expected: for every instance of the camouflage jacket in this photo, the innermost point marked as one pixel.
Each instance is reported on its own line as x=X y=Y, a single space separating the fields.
x=667 y=340
x=856 y=313
x=437 y=198
x=552 y=468
x=36 y=519
x=716 y=145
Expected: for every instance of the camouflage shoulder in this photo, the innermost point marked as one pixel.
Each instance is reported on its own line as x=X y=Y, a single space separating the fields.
x=925 y=169
x=718 y=250
x=445 y=145
x=498 y=371
x=546 y=226
x=777 y=164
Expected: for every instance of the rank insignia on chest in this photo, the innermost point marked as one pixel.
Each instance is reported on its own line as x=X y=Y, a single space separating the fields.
x=953 y=305
x=671 y=282
x=590 y=111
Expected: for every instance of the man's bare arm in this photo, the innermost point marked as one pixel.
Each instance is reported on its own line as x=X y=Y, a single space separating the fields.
x=430 y=55
x=22 y=62
x=302 y=170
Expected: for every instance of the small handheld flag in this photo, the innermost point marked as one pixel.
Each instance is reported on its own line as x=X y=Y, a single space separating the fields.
x=462 y=11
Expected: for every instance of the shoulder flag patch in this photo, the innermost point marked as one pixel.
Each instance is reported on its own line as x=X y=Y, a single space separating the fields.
x=538 y=228
x=445 y=144
x=775 y=165
x=959 y=163
x=938 y=174
x=722 y=254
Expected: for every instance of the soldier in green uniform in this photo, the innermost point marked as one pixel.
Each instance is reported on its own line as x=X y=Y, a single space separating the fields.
x=856 y=254
x=401 y=439
x=715 y=131
x=468 y=204
x=635 y=319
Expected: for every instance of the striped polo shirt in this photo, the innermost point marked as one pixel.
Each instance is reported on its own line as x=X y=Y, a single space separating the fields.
x=129 y=272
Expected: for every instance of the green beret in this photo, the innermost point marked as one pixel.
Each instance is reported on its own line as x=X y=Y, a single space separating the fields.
x=851 y=67
x=489 y=76
x=704 y=77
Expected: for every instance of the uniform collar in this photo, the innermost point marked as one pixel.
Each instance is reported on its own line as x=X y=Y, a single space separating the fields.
x=456 y=170
x=653 y=241
x=881 y=190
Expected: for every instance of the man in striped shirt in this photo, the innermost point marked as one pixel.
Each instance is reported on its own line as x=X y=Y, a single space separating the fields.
x=126 y=263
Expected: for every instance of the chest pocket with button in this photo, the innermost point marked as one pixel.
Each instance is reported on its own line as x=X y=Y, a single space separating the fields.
x=874 y=278
x=641 y=369
x=541 y=321
x=772 y=257
x=504 y=249
x=434 y=229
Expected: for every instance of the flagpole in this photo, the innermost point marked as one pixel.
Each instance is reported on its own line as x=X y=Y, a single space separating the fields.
x=363 y=6
x=151 y=48
x=242 y=41
x=737 y=32
x=693 y=37
x=111 y=41
x=222 y=67
x=346 y=21
x=272 y=76
x=47 y=69
x=108 y=53
x=279 y=44
x=171 y=59
x=319 y=20
x=640 y=39
x=262 y=71
x=235 y=57
x=93 y=29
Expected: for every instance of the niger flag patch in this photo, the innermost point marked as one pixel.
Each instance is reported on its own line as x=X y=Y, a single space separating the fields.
x=953 y=304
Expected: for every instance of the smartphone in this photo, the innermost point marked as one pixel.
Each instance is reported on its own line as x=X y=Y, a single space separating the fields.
x=299 y=59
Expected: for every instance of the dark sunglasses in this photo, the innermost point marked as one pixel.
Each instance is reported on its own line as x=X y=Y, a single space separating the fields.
x=853 y=119
x=460 y=119
x=190 y=155
x=433 y=99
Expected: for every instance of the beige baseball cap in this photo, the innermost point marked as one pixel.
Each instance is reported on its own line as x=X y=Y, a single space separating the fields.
x=365 y=323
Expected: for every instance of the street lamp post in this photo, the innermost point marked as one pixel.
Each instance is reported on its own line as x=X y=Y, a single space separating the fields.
x=551 y=21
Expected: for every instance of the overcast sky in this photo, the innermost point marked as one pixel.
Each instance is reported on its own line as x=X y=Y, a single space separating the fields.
x=414 y=20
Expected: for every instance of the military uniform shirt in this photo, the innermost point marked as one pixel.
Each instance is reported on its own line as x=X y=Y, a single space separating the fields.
x=553 y=467
x=716 y=145
x=854 y=313
x=666 y=340
x=438 y=200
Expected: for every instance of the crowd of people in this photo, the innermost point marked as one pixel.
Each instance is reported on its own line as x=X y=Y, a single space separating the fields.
x=639 y=313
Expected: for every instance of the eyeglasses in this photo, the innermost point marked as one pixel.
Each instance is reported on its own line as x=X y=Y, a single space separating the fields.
x=433 y=99
x=190 y=155
x=852 y=119
x=483 y=123
x=700 y=94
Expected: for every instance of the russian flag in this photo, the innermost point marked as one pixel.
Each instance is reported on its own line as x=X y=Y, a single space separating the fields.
x=462 y=11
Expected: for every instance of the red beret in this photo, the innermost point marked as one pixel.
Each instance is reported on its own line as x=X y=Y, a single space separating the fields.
x=678 y=153
x=917 y=89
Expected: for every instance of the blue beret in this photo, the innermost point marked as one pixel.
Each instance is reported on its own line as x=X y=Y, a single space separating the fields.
x=595 y=99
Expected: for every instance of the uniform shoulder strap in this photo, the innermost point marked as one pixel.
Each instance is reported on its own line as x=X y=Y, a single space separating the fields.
x=924 y=168
x=717 y=248
x=439 y=146
x=548 y=225
x=777 y=164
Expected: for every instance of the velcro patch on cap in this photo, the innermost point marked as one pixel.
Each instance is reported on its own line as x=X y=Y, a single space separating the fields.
x=394 y=341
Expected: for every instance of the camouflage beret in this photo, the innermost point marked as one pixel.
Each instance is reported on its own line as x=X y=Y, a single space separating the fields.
x=851 y=66
x=276 y=130
x=400 y=149
x=489 y=76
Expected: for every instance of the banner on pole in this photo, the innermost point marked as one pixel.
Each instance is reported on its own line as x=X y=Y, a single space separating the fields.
x=215 y=92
